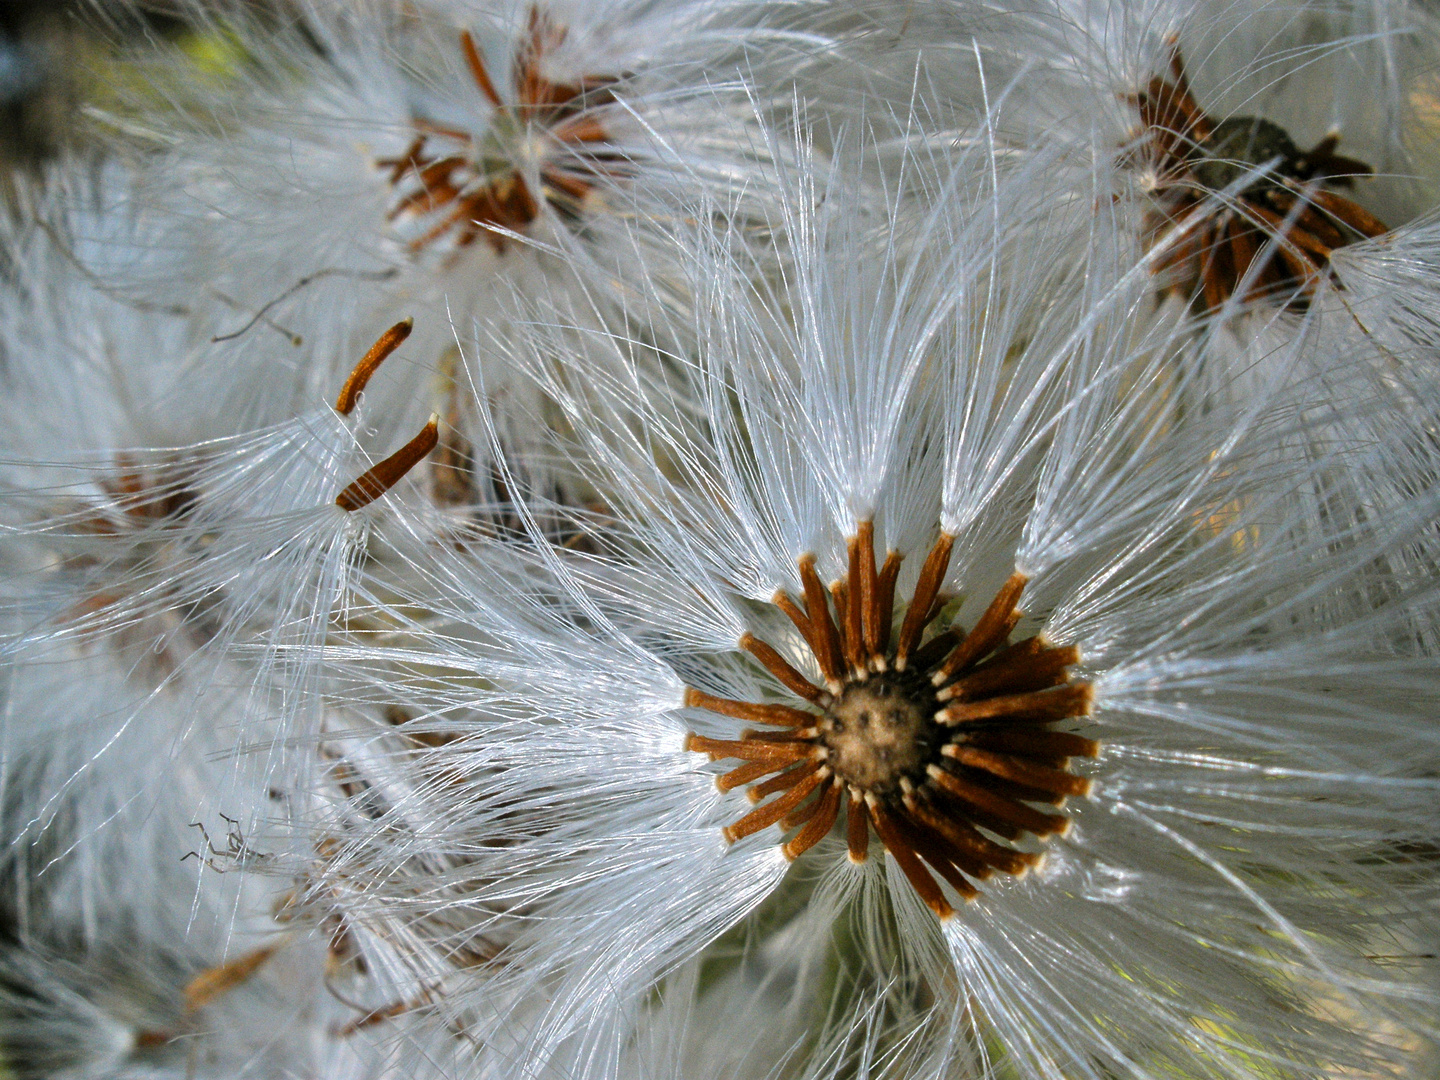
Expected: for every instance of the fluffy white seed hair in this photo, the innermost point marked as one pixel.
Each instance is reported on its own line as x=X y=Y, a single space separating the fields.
x=439 y=743
x=1234 y=890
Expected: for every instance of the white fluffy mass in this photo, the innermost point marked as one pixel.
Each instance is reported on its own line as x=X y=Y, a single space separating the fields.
x=727 y=539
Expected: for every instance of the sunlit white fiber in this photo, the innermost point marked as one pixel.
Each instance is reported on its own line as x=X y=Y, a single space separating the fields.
x=255 y=519
x=160 y=725
x=819 y=988
x=1304 y=65
x=1287 y=63
x=95 y=367
x=294 y=149
x=1389 y=296
x=1266 y=759
x=124 y=472
x=882 y=288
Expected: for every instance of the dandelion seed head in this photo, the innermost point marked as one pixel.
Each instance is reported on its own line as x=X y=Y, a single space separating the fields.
x=926 y=743
x=1238 y=206
x=544 y=140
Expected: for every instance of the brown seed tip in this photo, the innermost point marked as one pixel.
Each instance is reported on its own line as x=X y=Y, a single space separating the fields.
x=386 y=344
x=216 y=981
x=729 y=834
x=692 y=698
x=477 y=68
x=384 y=475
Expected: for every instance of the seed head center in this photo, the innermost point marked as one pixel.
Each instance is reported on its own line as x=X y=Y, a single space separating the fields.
x=880 y=731
x=1240 y=144
x=940 y=745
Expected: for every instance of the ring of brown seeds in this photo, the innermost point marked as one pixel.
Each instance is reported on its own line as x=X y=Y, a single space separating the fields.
x=945 y=747
x=474 y=184
x=1208 y=252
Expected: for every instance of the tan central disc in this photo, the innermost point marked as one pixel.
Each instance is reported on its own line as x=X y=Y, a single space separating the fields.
x=881 y=730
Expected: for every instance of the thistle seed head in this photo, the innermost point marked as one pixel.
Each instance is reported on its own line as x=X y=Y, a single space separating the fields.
x=944 y=746
x=1209 y=249
x=458 y=184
